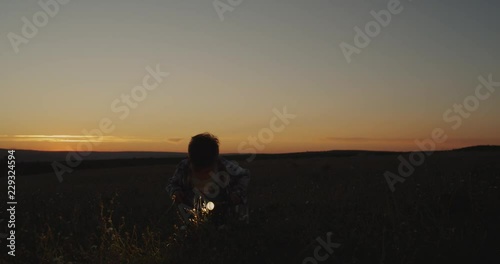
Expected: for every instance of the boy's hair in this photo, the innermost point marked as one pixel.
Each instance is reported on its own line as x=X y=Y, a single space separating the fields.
x=203 y=150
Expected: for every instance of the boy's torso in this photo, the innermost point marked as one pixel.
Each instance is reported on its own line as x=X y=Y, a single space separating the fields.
x=212 y=188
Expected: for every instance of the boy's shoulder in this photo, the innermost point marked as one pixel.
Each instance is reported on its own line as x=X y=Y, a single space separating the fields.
x=183 y=165
x=232 y=167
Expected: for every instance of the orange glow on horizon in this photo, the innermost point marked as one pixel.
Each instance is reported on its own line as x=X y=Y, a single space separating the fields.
x=128 y=143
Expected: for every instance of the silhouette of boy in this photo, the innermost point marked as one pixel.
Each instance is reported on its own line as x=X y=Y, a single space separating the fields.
x=205 y=172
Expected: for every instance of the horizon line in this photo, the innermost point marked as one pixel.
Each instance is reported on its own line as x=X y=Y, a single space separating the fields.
x=232 y=153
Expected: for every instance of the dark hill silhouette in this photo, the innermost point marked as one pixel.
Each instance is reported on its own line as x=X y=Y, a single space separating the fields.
x=480 y=148
x=42 y=156
x=38 y=162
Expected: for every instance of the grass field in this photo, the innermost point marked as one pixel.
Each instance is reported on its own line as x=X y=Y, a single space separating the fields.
x=447 y=211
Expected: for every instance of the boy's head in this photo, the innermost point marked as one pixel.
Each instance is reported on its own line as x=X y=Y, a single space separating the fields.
x=203 y=151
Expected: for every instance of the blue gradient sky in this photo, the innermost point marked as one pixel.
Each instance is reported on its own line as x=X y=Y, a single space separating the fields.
x=227 y=76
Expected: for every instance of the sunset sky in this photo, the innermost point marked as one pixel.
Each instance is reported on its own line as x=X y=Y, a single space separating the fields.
x=226 y=77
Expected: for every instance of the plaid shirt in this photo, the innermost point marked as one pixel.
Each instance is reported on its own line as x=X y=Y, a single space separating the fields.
x=237 y=183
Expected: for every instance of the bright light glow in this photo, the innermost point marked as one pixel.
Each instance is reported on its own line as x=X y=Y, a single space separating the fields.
x=210 y=206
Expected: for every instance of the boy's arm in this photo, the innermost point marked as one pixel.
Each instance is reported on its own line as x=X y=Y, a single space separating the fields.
x=241 y=180
x=176 y=181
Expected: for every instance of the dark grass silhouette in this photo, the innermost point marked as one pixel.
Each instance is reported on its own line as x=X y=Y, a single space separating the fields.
x=448 y=210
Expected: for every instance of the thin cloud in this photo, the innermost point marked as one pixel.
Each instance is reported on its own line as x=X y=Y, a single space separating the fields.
x=76 y=139
x=361 y=139
x=410 y=143
x=174 y=140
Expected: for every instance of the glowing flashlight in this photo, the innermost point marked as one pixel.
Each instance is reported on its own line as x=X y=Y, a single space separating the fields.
x=210 y=206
